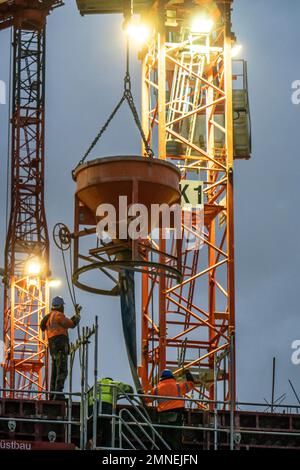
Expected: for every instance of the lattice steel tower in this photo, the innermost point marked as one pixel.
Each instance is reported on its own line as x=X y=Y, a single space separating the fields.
x=27 y=245
x=189 y=103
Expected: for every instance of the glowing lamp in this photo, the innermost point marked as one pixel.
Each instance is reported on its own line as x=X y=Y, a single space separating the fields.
x=236 y=49
x=138 y=32
x=33 y=268
x=202 y=24
x=54 y=283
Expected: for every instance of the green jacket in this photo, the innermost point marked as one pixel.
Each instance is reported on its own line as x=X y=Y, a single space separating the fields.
x=106 y=391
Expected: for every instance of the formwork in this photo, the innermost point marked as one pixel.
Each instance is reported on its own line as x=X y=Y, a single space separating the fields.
x=44 y=425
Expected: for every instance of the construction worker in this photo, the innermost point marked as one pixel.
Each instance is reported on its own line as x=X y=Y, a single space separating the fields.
x=56 y=325
x=108 y=392
x=172 y=411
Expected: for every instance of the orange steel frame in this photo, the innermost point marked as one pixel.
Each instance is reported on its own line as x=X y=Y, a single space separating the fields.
x=26 y=359
x=191 y=324
x=26 y=298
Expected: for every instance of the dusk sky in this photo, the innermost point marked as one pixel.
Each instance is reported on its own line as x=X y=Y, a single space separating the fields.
x=85 y=66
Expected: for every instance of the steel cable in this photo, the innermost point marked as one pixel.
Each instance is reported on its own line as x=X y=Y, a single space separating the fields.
x=127 y=96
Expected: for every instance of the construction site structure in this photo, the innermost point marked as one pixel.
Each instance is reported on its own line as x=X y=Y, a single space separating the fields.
x=27 y=272
x=186 y=89
x=196 y=109
x=27 y=424
x=200 y=121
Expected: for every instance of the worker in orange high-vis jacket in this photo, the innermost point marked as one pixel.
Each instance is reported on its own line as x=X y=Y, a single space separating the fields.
x=56 y=325
x=170 y=411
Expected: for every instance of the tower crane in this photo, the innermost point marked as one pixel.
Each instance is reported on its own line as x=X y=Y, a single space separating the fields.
x=196 y=109
x=26 y=276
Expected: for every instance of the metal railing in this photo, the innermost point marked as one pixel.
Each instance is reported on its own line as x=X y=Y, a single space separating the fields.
x=135 y=429
x=119 y=420
x=143 y=421
x=155 y=438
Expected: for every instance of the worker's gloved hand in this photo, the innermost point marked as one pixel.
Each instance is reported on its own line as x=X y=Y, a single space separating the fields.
x=78 y=309
x=189 y=376
x=76 y=319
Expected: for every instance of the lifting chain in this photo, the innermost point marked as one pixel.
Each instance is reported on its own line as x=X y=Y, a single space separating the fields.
x=127 y=96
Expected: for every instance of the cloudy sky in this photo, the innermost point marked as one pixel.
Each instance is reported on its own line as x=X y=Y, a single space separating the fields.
x=85 y=63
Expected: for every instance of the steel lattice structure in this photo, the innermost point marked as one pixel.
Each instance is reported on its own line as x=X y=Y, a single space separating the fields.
x=187 y=104
x=26 y=296
x=188 y=115
x=25 y=304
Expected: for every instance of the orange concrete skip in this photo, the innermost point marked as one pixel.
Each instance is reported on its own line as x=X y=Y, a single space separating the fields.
x=141 y=180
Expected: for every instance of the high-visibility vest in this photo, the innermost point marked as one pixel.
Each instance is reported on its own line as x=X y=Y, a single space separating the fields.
x=105 y=391
x=58 y=324
x=171 y=388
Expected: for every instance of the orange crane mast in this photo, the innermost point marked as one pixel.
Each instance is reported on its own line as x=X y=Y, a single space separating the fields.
x=26 y=289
